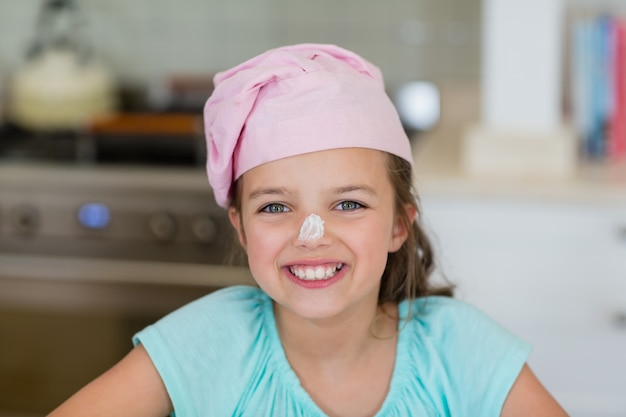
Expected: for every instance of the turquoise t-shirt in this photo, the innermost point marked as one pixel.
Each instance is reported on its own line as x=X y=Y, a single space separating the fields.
x=221 y=356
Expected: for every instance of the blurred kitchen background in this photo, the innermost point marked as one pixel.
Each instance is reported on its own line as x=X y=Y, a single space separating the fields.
x=107 y=221
x=144 y=41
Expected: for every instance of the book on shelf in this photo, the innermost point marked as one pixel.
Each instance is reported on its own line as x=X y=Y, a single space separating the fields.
x=598 y=85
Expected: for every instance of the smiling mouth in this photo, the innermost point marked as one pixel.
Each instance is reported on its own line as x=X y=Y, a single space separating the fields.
x=315 y=273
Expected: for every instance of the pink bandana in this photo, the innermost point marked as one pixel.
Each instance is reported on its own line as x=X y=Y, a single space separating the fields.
x=294 y=100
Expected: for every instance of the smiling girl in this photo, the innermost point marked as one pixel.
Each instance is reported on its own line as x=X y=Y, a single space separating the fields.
x=307 y=154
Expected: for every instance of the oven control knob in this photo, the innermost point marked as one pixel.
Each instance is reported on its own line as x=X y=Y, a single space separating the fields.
x=25 y=219
x=163 y=226
x=204 y=228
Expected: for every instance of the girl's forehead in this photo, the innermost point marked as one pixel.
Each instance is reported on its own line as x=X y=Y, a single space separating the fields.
x=325 y=170
x=343 y=161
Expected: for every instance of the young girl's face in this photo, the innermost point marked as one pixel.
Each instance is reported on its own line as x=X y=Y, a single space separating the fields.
x=350 y=190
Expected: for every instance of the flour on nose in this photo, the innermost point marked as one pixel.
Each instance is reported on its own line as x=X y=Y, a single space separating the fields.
x=312 y=228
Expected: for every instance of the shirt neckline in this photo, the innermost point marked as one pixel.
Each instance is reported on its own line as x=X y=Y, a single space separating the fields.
x=290 y=378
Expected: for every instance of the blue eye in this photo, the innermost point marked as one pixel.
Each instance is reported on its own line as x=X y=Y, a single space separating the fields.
x=348 y=206
x=275 y=208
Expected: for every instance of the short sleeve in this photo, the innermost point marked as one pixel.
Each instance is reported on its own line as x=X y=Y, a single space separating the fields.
x=188 y=346
x=472 y=360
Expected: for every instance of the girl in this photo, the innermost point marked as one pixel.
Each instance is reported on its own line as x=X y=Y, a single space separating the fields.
x=308 y=155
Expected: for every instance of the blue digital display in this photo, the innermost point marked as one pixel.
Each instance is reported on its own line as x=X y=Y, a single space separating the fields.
x=94 y=216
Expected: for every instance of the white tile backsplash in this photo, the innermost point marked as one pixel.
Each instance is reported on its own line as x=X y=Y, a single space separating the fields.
x=142 y=39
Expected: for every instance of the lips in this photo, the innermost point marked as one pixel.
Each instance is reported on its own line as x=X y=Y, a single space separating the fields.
x=315 y=272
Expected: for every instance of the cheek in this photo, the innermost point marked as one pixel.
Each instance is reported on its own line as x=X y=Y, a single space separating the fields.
x=264 y=244
x=372 y=241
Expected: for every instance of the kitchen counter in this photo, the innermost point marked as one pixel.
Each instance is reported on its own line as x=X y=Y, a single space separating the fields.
x=439 y=172
x=59 y=175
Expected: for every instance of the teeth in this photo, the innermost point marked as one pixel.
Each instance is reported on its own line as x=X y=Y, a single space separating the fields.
x=315 y=273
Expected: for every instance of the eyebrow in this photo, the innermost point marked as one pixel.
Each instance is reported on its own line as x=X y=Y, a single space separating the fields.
x=284 y=191
x=357 y=187
x=260 y=192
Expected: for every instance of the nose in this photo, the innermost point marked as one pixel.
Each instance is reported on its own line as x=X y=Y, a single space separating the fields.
x=312 y=232
x=312 y=228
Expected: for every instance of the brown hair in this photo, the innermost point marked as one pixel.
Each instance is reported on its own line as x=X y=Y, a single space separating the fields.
x=407 y=272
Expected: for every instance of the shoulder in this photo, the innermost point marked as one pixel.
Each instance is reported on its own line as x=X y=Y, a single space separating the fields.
x=232 y=312
x=237 y=299
x=435 y=311
x=444 y=320
x=219 y=313
x=232 y=298
x=207 y=346
x=460 y=346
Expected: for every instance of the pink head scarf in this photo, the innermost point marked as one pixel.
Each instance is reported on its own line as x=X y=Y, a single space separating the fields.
x=294 y=100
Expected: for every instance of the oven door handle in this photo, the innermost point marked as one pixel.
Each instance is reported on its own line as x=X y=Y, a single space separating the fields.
x=17 y=266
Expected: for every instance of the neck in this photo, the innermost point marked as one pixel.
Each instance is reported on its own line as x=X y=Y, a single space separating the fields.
x=340 y=339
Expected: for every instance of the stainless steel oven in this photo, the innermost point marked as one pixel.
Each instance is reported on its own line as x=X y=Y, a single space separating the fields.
x=90 y=254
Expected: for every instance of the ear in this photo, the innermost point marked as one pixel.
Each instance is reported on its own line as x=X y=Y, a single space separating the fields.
x=235 y=220
x=400 y=232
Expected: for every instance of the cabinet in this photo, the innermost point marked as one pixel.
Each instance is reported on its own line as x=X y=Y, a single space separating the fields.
x=554 y=273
